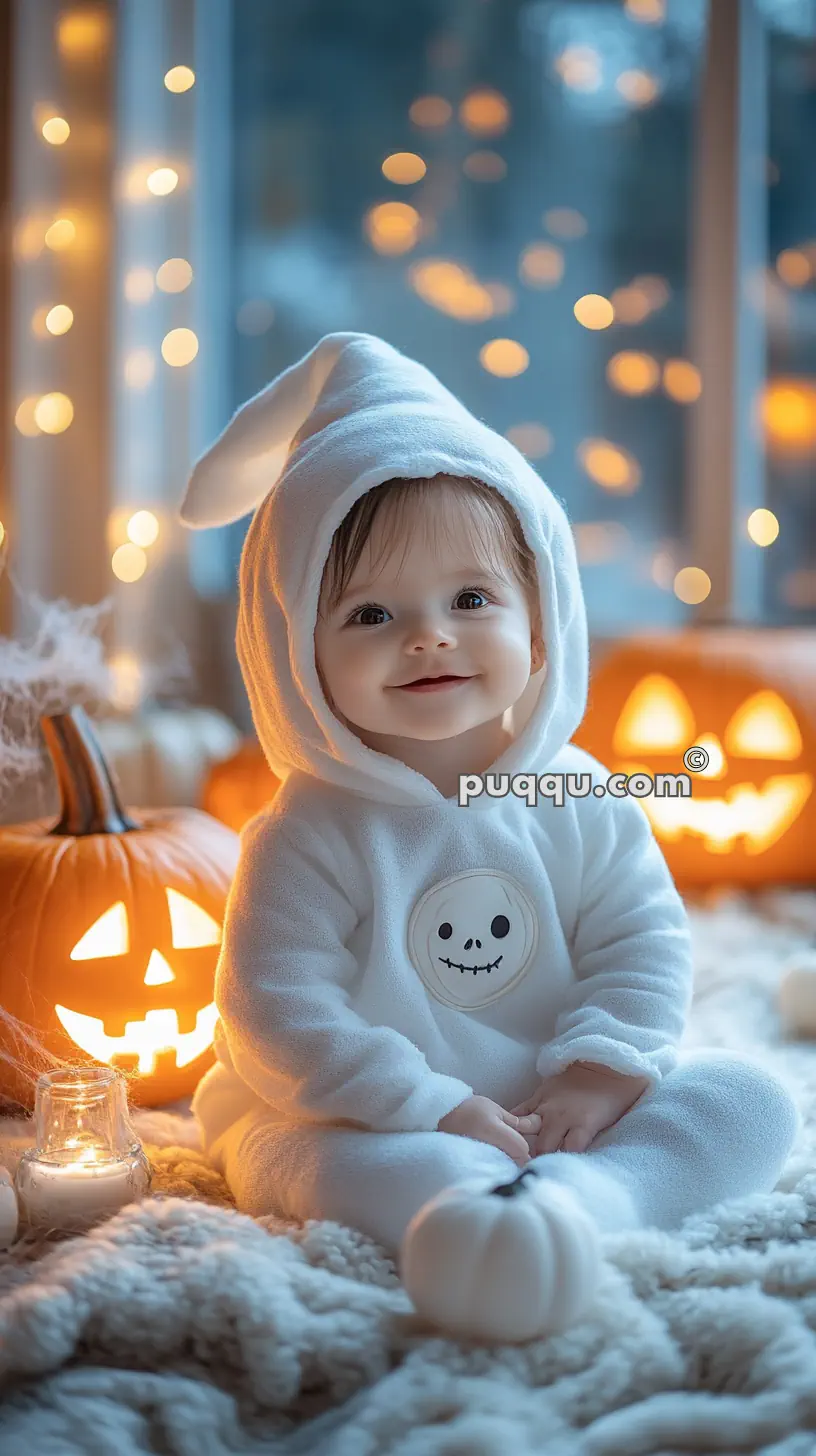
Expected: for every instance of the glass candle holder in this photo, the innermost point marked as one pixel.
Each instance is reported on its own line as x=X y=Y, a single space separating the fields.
x=88 y=1162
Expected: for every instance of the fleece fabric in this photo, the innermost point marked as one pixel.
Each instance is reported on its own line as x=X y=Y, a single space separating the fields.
x=387 y=952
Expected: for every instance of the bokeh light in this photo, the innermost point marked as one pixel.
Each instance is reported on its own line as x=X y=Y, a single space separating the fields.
x=794 y=268
x=648 y=12
x=532 y=439
x=637 y=87
x=579 y=67
x=564 y=222
x=179 y=347
x=53 y=413
x=594 y=311
x=787 y=414
x=140 y=368
x=681 y=381
x=610 y=466
x=139 y=285
x=392 y=227
x=174 y=275
x=143 y=528
x=692 y=585
x=404 y=168
x=59 y=319
x=128 y=562
x=762 y=527
x=452 y=289
x=60 y=235
x=484 y=167
x=162 y=181
x=430 y=111
x=24 y=418
x=541 y=265
x=485 y=112
x=633 y=373
x=82 y=34
x=127 y=681
x=179 y=79
x=56 y=130
x=504 y=357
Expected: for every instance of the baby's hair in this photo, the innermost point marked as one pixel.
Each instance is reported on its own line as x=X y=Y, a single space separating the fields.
x=497 y=530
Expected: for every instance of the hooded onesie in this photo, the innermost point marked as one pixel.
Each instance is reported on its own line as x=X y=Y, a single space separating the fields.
x=389 y=952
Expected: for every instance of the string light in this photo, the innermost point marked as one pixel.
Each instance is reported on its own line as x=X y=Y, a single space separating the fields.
x=504 y=357
x=179 y=79
x=594 y=311
x=485 y=112
x=128 y=563
x=174 y=276
x=56 y=131
x=762 y=527
x=541 y=265
x=681 y=381
x=692 y=585
x=59 y=319
x=637 y=87
x=24 y=419
x=162 y=181
x=404 y=168
x=143 y=528
x=179 y=347
x=609 y=466
x=60 y=235
x=392 y=227
x=53 y=413
x=633 y=373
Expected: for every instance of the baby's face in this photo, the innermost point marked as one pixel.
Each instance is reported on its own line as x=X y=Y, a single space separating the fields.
x=428 y=645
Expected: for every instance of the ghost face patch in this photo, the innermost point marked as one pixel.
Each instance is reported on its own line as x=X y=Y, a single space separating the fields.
x=472 y=937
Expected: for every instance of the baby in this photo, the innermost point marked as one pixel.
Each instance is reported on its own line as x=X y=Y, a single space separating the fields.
x=413 y=993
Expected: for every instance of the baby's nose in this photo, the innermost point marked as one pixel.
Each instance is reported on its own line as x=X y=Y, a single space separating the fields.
x=428 y=635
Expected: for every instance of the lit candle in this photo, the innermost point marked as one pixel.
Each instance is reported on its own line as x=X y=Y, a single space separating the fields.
x=88 y=1162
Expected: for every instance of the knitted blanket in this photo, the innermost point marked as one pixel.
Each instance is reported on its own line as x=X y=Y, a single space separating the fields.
x=182 y=1327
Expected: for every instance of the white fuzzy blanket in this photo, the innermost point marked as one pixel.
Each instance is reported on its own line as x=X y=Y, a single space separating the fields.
x=184 y=1328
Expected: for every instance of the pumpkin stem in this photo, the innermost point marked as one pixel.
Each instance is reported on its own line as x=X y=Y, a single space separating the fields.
x=90 y=801
x=511 y=1190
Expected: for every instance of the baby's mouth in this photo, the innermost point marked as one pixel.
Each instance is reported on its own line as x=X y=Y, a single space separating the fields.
x=431 y=684
x=456 y=966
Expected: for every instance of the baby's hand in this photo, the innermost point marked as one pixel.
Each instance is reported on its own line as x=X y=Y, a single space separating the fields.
x=487 y=1122
x=577 y=1104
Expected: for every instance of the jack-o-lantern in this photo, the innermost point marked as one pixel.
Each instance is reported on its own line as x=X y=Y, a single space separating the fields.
x=238 y=787
x=110 y=926
x=748 y=698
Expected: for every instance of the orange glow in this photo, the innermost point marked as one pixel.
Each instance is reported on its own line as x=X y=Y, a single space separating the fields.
x=656 y=717
x=60 y=235
x=485 y=112
x=594 y=311
x=633 y=373
x=430 y=111
x=648 y=12
x=541 y=265
x=504 y=357
x=609 y=466
x=794 y=268
x=681 y=381
x=787 y=409
x=404 y=167
x=392 y=227
x=631 y=305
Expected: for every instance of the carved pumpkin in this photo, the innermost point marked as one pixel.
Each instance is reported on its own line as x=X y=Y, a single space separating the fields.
x=110 y=927
x=749 y=699
x=240 y=786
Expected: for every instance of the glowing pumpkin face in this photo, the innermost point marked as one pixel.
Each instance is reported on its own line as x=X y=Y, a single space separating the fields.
x=111 y=929
x=744 y=699
x=175 y=1028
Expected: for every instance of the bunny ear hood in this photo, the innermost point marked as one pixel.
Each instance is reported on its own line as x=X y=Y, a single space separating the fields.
x=354 y=413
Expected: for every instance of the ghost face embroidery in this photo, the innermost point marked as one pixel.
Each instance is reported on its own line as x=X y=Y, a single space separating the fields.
x=472 y=937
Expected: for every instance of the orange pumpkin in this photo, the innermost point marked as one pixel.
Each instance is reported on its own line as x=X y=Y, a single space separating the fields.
x=239 y=786
x=748 y=698
x=110 y=927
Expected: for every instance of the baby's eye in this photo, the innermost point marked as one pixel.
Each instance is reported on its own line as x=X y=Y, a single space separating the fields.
x=369 y=616
x=471 y=600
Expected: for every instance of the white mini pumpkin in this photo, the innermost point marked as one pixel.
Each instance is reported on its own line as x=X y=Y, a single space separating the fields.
x=797 y=995
x=506 y=1262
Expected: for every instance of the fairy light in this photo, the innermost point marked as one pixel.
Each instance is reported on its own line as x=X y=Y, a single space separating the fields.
x=633 y=373
x=56 y=131
x=430 y=111
x=59 y=319
x=24 y=420
x=179 y=79
x=174 y=275
x=504 y=357
x=392 y=227
x=762 y=527
x=179 y=347
x=162 y=181
x=404 y=168
x=610 y=466
x=128 y=563
x=60 y=235
x=485 y=112
x=692 y=585
x=681 y=381
x=594 y=311
x=541 y=265
x=143 y=528
x=53 y=413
